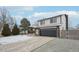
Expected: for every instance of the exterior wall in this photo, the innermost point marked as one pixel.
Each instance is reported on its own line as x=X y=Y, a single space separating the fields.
x=47 y=23
x=61 y=21
x=64 y=24
x=58 y=20
x=61 y=24
x=37 y=31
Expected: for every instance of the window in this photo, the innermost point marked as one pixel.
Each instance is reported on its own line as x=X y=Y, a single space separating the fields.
x=60 y=20
x=53 y=20
x=42 y=22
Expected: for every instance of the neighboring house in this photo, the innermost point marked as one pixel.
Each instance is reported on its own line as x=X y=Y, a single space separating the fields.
x=52 y=26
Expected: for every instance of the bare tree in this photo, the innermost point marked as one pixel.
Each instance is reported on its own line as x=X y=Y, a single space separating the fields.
x=5 y=17
x=3 y=12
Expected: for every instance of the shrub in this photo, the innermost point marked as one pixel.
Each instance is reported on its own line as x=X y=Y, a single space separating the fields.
x=15 y=30
x=6 y=30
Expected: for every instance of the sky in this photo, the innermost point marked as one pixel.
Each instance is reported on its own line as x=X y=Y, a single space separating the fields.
x=34 y=13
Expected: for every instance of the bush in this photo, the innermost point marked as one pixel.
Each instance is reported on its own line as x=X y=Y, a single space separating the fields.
x=6 y=30
x=15 y=30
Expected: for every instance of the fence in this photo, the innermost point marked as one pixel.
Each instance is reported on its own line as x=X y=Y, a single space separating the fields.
x=70 y=34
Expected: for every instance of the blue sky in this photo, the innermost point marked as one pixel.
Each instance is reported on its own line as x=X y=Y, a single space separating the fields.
x=34 y=13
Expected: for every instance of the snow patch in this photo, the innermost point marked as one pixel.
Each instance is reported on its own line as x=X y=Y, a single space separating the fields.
x=13 y=39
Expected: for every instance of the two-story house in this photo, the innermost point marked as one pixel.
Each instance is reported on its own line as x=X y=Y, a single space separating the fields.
x=52 y=26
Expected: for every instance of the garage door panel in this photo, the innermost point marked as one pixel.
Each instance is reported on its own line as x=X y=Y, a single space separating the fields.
x=48 y=32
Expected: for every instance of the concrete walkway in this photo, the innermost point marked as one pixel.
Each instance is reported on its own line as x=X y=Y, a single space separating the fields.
x=27 y=45
x=59 y=45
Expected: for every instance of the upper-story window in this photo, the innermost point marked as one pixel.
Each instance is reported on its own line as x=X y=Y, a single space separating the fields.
x=53 y=20
x=42 y=22
x=60 y=19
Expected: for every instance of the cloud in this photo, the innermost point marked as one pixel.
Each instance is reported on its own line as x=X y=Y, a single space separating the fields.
x=18 y=9
x=28 y=8
x=22 y=8
x=67 y=12
x=54 y=13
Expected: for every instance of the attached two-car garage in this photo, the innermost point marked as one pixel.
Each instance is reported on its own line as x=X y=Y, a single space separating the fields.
x=48 y=31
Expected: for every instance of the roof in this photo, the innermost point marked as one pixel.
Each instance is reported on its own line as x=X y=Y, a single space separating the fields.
x=50 y=17
x=54 y=25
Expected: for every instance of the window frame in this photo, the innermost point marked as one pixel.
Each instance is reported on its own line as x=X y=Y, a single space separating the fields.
x=42 y=22
x=53 y=20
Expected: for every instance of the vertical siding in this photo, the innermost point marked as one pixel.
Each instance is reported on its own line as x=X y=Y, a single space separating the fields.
x=62 y=21
x=58 y=20
x=63 y=24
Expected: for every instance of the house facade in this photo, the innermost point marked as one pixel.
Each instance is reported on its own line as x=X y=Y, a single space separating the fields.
x=52 y=26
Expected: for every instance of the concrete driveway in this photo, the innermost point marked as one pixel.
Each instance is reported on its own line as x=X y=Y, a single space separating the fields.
x=59 y=45
x=42 y=44
x=26 y=45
